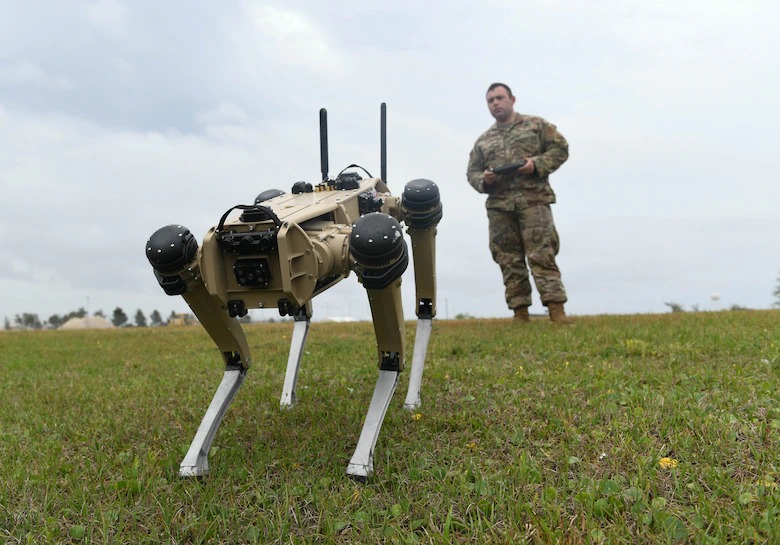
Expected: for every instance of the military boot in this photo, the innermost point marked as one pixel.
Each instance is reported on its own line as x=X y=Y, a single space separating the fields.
x=557 y=314
x=521 y=315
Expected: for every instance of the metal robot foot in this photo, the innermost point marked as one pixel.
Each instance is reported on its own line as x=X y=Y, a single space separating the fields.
x=361 y=466
x=300 y=332
x=196 y=461
x=424 y=326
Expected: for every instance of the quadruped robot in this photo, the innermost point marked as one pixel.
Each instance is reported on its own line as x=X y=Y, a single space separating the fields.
x=285 y=249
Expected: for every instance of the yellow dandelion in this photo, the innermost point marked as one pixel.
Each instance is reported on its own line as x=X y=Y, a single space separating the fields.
x=416 y=416
x=768 y=483
x=471 y=446
x=666 y=462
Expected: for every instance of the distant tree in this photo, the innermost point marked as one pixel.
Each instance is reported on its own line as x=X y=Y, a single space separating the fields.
x=100 y=313
x=155 y=318
x=245 y=319
x=80 y=313
x=464 y=316
x=140 y=319
x=119 y=317
x=7 y=324
x=28 y=321
x=674 y=306
x=55 y=320
x=173 y=315
x=739 y=307
x=776 y=293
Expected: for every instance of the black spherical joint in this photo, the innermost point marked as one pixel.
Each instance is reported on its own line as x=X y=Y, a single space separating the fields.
x=376 y=239
x=378 y=247
x=421 y=194
x=421 y=202
x=268 y=194
x=171 y=248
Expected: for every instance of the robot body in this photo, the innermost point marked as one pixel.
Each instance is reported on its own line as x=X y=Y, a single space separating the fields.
x=285 y=250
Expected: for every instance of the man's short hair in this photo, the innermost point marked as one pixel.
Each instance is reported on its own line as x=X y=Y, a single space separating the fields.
x=504 y=85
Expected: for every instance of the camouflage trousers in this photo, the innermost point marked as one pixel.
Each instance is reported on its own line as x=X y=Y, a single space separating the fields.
x=527 y=234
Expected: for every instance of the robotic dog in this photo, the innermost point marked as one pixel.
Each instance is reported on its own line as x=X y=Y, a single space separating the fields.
x=283 y=251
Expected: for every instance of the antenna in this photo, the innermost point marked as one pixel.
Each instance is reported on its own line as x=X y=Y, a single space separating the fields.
x=383 y=141
x=324 y=143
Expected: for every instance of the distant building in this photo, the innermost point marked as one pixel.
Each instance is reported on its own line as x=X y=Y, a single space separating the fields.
x=183 y=319
x=87 y=322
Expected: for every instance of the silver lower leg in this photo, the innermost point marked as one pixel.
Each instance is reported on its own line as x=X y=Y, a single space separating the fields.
x=300 y=332
x=361 y=466
x=196 y=462
x=424 y=326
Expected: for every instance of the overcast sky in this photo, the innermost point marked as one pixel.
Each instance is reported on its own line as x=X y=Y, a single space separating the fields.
x=119 y=117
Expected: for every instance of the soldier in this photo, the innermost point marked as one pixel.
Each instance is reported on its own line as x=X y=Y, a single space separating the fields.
x=518 y=204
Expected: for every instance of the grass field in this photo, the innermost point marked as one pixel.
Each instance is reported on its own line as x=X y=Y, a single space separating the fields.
x=618 y=429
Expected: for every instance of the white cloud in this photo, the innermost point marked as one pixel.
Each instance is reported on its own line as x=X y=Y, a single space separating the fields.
x=123 y=68
x=109 y=17
x=224 y=114
x=26 y=73
x=291 y=38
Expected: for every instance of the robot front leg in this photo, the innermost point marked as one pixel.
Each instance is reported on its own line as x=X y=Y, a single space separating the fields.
x=379 y=250
x=387 y=312
x=173 y=253
x=361 y=466
x=230 y=339
x=423 y=335
x=196 y=461
x=421 y=210
x=300 y=332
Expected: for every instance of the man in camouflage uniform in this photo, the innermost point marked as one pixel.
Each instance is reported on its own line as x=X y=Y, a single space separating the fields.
x=518 y=204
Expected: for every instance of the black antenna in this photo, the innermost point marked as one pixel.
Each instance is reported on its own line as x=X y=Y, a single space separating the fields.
x=383 y=141
x=324 y=143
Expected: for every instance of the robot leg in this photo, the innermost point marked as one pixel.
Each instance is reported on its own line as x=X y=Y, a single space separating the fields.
x=300 y=332
x=361 y=465
x=423 y=335
x=421 y=210
x=173 y=253
x=379 y=250
x=196 y=461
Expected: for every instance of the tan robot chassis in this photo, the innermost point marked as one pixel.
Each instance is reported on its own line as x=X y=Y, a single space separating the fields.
x=287 y=248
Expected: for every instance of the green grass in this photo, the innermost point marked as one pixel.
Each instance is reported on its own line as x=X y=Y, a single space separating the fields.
x=533 y=433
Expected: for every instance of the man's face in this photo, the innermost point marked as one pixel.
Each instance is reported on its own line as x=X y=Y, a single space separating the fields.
x=500 y=104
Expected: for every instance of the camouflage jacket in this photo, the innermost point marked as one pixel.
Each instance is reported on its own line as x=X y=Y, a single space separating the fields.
x=527 y=136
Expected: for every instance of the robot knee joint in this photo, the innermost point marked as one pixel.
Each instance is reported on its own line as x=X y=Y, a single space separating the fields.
x=170 y=249
x=421 y=204
x=378 y=247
